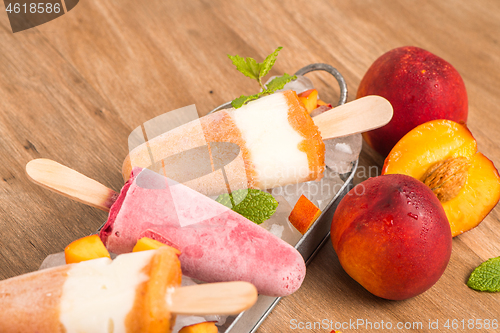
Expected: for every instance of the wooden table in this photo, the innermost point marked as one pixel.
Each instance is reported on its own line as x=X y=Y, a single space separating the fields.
x=72 y=90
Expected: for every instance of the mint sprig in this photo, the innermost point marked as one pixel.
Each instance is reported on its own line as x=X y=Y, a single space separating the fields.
x=242 y=100
x=255 y=205
x=279 y=82
x=255 y=70
x=248 y=67
x=269 y=63
x=486 y=277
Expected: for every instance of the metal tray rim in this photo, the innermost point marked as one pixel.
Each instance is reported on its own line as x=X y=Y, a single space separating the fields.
x=326 y=212
x=317 y=229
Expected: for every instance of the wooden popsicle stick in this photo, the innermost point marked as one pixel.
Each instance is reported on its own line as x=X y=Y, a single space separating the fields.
x=358 y=116
x=222 y=298
x=70 y=183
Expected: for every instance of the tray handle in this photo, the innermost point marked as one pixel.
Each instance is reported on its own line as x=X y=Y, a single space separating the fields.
x=329 y=69
x=307 y=69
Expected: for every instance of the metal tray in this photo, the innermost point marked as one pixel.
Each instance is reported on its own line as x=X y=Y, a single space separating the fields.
x=312 y=241
x=308 y=246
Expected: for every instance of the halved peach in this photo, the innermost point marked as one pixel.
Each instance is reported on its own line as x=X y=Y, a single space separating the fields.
x=443 y=154
x=86 y=248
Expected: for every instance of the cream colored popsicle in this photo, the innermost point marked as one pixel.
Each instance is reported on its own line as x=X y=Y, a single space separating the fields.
x=135 y=293
x=278 y=141
x=123 y=295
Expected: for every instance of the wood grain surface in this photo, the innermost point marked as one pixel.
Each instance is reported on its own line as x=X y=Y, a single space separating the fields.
x=73 y=89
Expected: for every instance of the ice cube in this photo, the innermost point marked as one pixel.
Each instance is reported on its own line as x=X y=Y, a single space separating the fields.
x=182 y=321
x=59 y=259
x=277 y=230
x=291 y=193
x=278 y=223
x=299 y=85
x=343 y=148
x=220 y=320
x=340 y=153
x=319 y=192
x=187 y=281
x=330 y=186
x=53 y=260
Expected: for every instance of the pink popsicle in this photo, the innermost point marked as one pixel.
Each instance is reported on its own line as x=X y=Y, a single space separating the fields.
x=217 y=244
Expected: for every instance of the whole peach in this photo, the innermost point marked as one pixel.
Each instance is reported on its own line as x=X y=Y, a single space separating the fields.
x=392 y=236
x=420 y=86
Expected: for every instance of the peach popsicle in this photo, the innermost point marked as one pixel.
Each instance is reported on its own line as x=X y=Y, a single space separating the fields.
x=278 y=143
x=217 y=244
x=128 y=294
x=135 y=293
x=275 y=141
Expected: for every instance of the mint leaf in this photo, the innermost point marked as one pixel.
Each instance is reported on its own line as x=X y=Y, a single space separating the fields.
x=255 y=205
x=279 y=82
x=226 y=200
x=254 y=70
x=486 y=277
x=248 y=67
x=276 y=84
x=254 y=66
x=268 y=63
x=242 y=100
x=231 y=200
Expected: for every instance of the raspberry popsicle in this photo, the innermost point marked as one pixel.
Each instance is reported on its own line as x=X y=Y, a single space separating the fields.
x=217 y=244
x=279 y=144
x=127 y=294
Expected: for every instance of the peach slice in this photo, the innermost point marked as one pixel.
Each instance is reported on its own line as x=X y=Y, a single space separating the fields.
x=320 y=102
x=152 y=313
x=304 y=214
x=205 y=327
x=145 y=244
x=310 y=99
x=443 y=154
x=86 y=248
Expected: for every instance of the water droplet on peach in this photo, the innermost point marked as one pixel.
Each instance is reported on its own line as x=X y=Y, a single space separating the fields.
x=415 y=216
